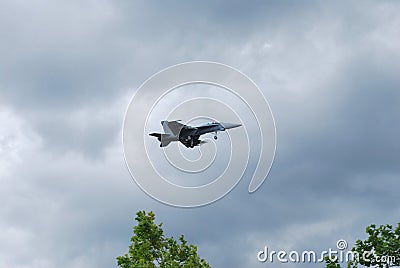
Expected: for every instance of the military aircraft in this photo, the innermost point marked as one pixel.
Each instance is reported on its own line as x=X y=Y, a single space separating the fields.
x=188 y=135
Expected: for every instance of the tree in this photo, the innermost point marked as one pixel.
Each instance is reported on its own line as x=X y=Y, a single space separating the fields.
x=383 y=243
x=380 y=249
x=151 y=249
x=332 y=262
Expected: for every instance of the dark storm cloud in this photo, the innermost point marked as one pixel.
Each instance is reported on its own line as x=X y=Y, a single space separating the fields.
x=64 y=56
x=55 y=55
x=329 y=71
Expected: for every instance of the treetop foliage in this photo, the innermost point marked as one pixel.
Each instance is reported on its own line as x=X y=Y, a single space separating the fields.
x=151 y=249
x=383 y=243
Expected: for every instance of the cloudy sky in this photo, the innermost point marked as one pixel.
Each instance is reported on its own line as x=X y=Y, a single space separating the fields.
x=69 y=68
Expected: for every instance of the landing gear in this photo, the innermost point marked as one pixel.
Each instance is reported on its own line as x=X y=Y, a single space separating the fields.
x=190 y=141
x=215 y=136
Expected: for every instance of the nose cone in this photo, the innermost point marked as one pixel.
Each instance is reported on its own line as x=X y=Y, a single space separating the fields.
x=229 y=125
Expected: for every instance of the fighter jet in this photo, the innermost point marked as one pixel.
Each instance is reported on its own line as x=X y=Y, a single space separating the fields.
x=189 y=135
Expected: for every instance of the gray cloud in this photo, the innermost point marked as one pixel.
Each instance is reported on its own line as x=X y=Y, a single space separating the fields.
x=329 y=71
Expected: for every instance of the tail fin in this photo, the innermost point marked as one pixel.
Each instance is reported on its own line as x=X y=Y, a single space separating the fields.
x=164 y=143
x=161 y=138
x=157 y=135
x=172 y=127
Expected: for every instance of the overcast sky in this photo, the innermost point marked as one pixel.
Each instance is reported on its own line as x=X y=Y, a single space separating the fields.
x=330 y=71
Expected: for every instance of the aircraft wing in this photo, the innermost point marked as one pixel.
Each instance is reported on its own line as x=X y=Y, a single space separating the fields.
x=208 y=128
